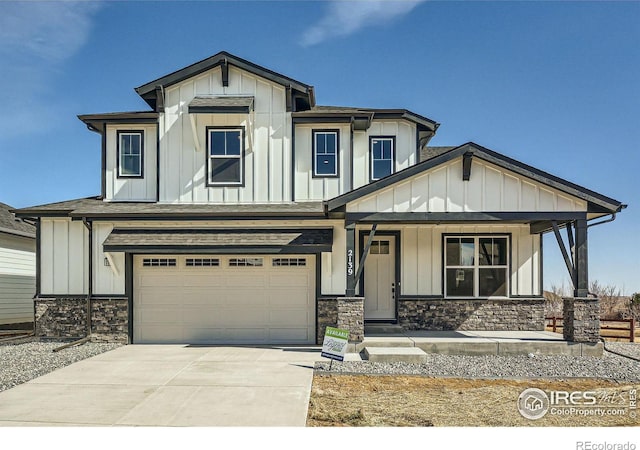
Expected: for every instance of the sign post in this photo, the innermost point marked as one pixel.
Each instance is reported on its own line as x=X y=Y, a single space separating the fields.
x=335 y=344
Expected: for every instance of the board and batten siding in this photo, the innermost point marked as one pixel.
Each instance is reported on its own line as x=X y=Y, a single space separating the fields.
x=354 y=155
x=64 y=250
x=17 y=278
x=490 y=189
x=108 y=281
x=267 y=159
x=421 y=271
x=405 y=151
x=132 y=189
x=308 y=187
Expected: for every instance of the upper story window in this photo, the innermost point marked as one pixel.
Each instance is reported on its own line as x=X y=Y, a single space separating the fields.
x=130 y=153
x=225 y=150
x=325 y=153
x=382 y=156
x=476 y=266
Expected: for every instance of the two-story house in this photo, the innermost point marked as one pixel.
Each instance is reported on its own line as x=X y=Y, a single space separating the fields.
x=236 y=210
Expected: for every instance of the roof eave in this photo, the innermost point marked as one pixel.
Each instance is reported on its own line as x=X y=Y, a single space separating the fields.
x=148 y=90
x=96 y=122
x=17 y=233
x=608 y=204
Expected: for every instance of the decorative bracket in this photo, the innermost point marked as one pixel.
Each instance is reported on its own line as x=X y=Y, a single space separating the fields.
x=112 y=263
x=466 y=166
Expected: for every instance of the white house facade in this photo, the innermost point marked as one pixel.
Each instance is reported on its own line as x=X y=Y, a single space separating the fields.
x=238 y=211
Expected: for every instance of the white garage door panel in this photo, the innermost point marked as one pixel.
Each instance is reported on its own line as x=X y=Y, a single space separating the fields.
x=225 y=303
x=292 y=279
x=202 y=278
x=283 y=317
x=286 y=334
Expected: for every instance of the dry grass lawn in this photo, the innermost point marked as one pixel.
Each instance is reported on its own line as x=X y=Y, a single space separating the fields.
x=365 y=400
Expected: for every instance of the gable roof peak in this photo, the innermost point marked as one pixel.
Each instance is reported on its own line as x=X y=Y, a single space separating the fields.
x=148 y=91
x=602 y=202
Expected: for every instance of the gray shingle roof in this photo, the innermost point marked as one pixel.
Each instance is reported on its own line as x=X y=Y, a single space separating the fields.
x=373 y=113
x=206 y=104
x=157 y=239
x=432 y=152
x=95 y=207
x=10 y=224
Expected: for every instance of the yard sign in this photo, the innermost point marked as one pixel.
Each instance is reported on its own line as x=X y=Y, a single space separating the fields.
x=335 y=343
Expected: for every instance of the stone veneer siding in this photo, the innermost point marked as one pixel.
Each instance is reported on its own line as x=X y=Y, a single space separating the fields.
x=351 y=317
x=342 y=312
x=519 y=314
x=327 y=316
x=66 y=318
x=581 y=319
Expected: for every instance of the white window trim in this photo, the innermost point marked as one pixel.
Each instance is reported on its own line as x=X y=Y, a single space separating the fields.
x=315 y=133
x=392 y=159
x=121 y=154
x=211 y=157
x=476 y=265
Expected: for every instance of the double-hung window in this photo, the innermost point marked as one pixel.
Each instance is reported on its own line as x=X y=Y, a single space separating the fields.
x=382 y=156
x=225 y=147
x=325 y=153
x=476 y=266
x=130 y=149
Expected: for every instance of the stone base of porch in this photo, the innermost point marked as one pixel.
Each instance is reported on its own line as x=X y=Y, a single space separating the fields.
x=514 y=314
x=342 y=312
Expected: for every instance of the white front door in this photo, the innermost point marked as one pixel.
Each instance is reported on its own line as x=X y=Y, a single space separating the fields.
x=380 y=280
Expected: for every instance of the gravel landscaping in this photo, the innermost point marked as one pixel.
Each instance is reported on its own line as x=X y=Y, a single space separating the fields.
x=26 y=359
x=610 y=366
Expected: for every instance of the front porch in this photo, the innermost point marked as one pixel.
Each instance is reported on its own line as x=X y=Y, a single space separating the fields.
x=388 y=345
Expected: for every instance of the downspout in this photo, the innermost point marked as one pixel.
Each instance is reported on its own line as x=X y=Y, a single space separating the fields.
x=89 y=227
x=610 y=219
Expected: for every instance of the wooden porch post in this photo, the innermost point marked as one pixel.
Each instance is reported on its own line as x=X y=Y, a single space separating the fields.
x=581 y=287
x=351 y=260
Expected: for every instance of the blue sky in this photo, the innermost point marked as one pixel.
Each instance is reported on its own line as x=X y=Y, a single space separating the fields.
x=553 y=84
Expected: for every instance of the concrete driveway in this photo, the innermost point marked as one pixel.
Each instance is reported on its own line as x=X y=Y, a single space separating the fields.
x=170 y=385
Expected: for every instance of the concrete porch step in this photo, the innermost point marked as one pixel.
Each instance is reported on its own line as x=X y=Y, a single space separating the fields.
x=382 y=328
x=395 y=354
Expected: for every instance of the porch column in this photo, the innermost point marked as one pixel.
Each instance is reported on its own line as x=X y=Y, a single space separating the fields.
x=581 y=321
x=581 y=312
x=581 y=263
x=350 y=308
x=351 y=260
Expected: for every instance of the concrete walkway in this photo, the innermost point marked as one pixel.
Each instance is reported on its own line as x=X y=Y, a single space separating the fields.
x=170 y=385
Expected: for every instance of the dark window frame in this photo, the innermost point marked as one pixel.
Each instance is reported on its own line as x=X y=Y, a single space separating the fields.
x=314 y=158
x=393 y=155
x=241 y=158
x=477 y=266
x=119 y=133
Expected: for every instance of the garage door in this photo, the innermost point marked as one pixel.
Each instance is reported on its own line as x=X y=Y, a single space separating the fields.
x=224 y=299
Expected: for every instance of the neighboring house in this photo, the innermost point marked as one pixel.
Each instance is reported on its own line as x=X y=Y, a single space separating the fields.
x=237 y=210
x=17 y=269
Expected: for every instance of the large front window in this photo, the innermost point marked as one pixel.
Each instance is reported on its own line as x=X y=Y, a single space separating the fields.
x=382 y=159
x=476 y=266
x=130 y=154
x=225 y=152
